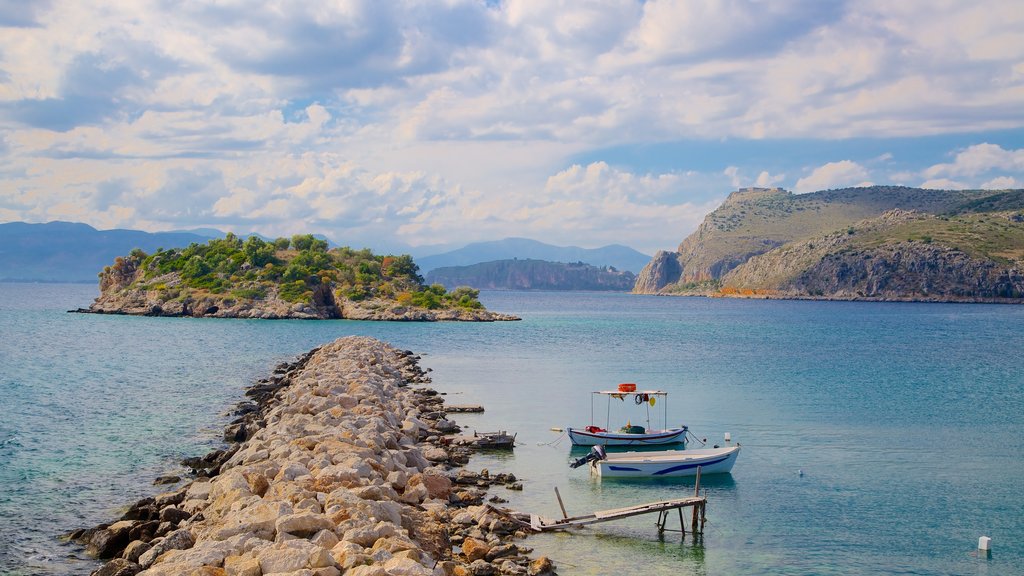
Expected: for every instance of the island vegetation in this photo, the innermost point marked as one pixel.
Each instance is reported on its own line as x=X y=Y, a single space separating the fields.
x=297 y=277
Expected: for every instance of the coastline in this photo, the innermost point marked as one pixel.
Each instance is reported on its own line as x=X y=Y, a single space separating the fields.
x=336 y=465
x=142 y=304
x=843 y=298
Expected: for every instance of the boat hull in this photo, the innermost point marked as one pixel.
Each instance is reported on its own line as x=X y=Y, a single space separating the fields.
x=583 y=438
x=666 y=464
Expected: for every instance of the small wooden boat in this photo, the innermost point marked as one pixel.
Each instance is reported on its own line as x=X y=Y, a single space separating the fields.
x=628 y=435
x=660 y=464
x=500 y=440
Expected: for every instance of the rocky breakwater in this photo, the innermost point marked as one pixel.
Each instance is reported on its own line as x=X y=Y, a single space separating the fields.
x=338 y=466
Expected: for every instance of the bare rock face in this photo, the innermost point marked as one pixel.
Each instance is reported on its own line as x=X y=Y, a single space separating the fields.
x=909 y=270
x=663 y=270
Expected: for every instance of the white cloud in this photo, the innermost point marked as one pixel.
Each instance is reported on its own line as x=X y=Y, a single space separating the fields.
x=764 y=180
x=834 y=175
x=415 y=120
x=1002 y=183
x=944 y=184
x=980 y=159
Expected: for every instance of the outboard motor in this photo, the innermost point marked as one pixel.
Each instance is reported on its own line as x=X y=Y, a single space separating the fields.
x=596 y=453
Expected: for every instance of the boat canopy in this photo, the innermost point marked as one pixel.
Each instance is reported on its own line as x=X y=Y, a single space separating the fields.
x=620 y=394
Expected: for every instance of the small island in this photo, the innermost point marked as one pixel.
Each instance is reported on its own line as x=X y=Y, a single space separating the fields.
x=298 y=277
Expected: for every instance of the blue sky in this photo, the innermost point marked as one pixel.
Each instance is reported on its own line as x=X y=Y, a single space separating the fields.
x=412 y=124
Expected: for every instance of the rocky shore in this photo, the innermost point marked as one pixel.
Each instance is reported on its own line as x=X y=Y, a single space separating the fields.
x=134 y=302
x=336 y=465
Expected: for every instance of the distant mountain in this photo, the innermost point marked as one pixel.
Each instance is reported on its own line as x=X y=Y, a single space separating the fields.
x=72 y=252
x=532 y=275
x=874 y=243
x=615 y=255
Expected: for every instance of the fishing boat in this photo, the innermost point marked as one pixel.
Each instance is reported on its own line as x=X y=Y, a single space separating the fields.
x=661 y=464
x=630 y=434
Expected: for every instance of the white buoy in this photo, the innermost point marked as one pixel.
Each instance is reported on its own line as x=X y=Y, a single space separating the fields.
x=983 y=543
x=728 y=437
x=800 y=471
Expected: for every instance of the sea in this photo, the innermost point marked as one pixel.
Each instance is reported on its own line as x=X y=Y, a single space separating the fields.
x=876 y=438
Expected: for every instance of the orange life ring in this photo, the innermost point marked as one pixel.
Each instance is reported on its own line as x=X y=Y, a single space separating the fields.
x=627 y=387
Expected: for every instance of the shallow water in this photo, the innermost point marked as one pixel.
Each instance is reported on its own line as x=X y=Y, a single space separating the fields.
x=905 y=420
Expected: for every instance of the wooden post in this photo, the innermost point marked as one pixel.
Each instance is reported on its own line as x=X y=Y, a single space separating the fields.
x=560 y=505
x=696 y=492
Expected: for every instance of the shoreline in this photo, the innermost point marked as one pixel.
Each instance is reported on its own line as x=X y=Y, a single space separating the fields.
x=838 y=298
x=336 y=464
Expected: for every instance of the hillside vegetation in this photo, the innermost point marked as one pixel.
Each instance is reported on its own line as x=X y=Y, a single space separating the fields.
x=534 y=275
x=288 y=278
x=874 y=243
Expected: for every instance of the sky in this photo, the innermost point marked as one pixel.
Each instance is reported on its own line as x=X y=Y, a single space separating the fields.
x=411 y=125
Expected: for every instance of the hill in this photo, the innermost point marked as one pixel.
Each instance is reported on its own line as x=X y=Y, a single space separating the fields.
x=879 y=242
x=71 y=252
x=290 y=278
x=533 y=275
x=614 y=255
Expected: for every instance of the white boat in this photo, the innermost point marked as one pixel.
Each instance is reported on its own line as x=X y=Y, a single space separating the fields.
x=660 y=464
x=628 y=435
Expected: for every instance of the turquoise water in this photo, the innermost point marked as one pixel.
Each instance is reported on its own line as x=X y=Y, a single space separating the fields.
x=906 y=420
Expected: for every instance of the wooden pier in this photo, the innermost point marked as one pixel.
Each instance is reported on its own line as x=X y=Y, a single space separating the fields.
x=696 y=503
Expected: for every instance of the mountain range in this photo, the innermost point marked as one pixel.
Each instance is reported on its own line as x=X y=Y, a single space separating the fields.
x=615 y=255
x=76 y=252
x=73 y=252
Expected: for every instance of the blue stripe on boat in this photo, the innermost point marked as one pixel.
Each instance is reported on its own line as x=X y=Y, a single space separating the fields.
x=688 y=466
x=624 y=468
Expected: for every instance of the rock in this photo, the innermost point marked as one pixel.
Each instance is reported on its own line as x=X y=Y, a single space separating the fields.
x=401 y=566
x=304 y=524
x=435 y=454
x=242 y=566
x=501 y=551
x=481 y=568
x=135 y=549
x=542 y=566
x=109 y=542
x=474 y=549
x=174 y=515
x=177 y=540
x=510 y=568
x=438 y=485
x=117 y=567
x=166 y=480
x=292 y=556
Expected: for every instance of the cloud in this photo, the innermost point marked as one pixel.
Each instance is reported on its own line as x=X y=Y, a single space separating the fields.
x=433 y=121
x=842 y=174
x=764 y=180
x=980 y=159
x=944 y=184
x=1002 y=183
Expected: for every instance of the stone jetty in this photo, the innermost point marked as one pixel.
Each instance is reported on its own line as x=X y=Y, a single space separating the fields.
x=337 y=465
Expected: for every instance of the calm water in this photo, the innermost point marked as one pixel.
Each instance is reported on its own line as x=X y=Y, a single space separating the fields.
x=907 y=421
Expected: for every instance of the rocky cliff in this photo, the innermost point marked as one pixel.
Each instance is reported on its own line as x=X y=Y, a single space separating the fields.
x=854 y=243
